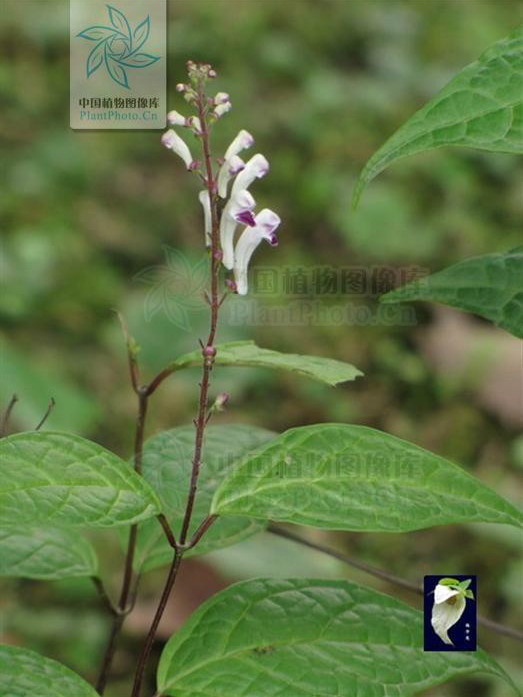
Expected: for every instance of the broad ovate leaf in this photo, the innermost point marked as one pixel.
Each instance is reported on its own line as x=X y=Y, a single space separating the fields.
x=25 y=673
x=60 y=480
x=246 y=353
x=307 y=637
x=344 y=477
x=167 y=464
x=45 y=553
x=481 y=107
x=490 y=286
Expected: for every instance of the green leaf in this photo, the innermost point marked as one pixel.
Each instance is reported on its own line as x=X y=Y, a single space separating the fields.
x=166 y=465
x=465 y=584
x=469 y=594
x=489 y=285
x=481 y=107
x=449 y=582
x=63 y=480
x=25 y=673
x=307 y=637
x=45 y=553
x=344 y=477
x=246 y=353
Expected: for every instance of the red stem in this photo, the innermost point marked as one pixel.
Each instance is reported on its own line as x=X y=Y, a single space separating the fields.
x=201 y=417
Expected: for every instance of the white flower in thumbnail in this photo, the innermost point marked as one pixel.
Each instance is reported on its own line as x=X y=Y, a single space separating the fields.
x=449 y=605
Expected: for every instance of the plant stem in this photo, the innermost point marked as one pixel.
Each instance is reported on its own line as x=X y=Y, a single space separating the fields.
x=44 y=418
x=200 y=421
x=104 y=597
x=202 y=529
x=208 y=360
x=385 y=576
x=7 y=414
x=146 y=650
x=122 y=606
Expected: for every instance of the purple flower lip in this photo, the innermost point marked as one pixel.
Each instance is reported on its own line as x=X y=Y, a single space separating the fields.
x=246 y=218
x=273 y=240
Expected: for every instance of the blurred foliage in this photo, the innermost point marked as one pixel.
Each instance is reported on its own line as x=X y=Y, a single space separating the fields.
x=321 y=84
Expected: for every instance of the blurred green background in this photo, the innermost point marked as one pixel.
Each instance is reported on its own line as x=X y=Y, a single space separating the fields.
x=320 y=84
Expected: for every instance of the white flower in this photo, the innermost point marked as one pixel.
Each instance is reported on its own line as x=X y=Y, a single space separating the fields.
x=194 y=123
x=448 y=607
x=206 y=205
x=172 y=141
x=221 y=98
x=175 y=118
x=230 y=168
x=242 y=141
x=266 y=223
x=238 y=210
x=222 y=109
x=255 y=168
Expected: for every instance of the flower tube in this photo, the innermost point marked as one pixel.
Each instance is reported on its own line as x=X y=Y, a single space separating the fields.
x=238 y=210
x=175 y=118
x=267 y=222
x=242 y=141
x=172 y=141
x=255 y=168
x=230 y=168
x=222 y=109
x=204 y=199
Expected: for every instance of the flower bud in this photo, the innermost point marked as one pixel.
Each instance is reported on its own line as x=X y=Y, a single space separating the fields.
x=221 y=401
x=222 y=109
x=221 y=98
x=194 y=123
x=209 y=352
x=176 y=119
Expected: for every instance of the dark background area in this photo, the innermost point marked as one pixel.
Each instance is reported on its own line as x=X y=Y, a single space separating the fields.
x=320 y=84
